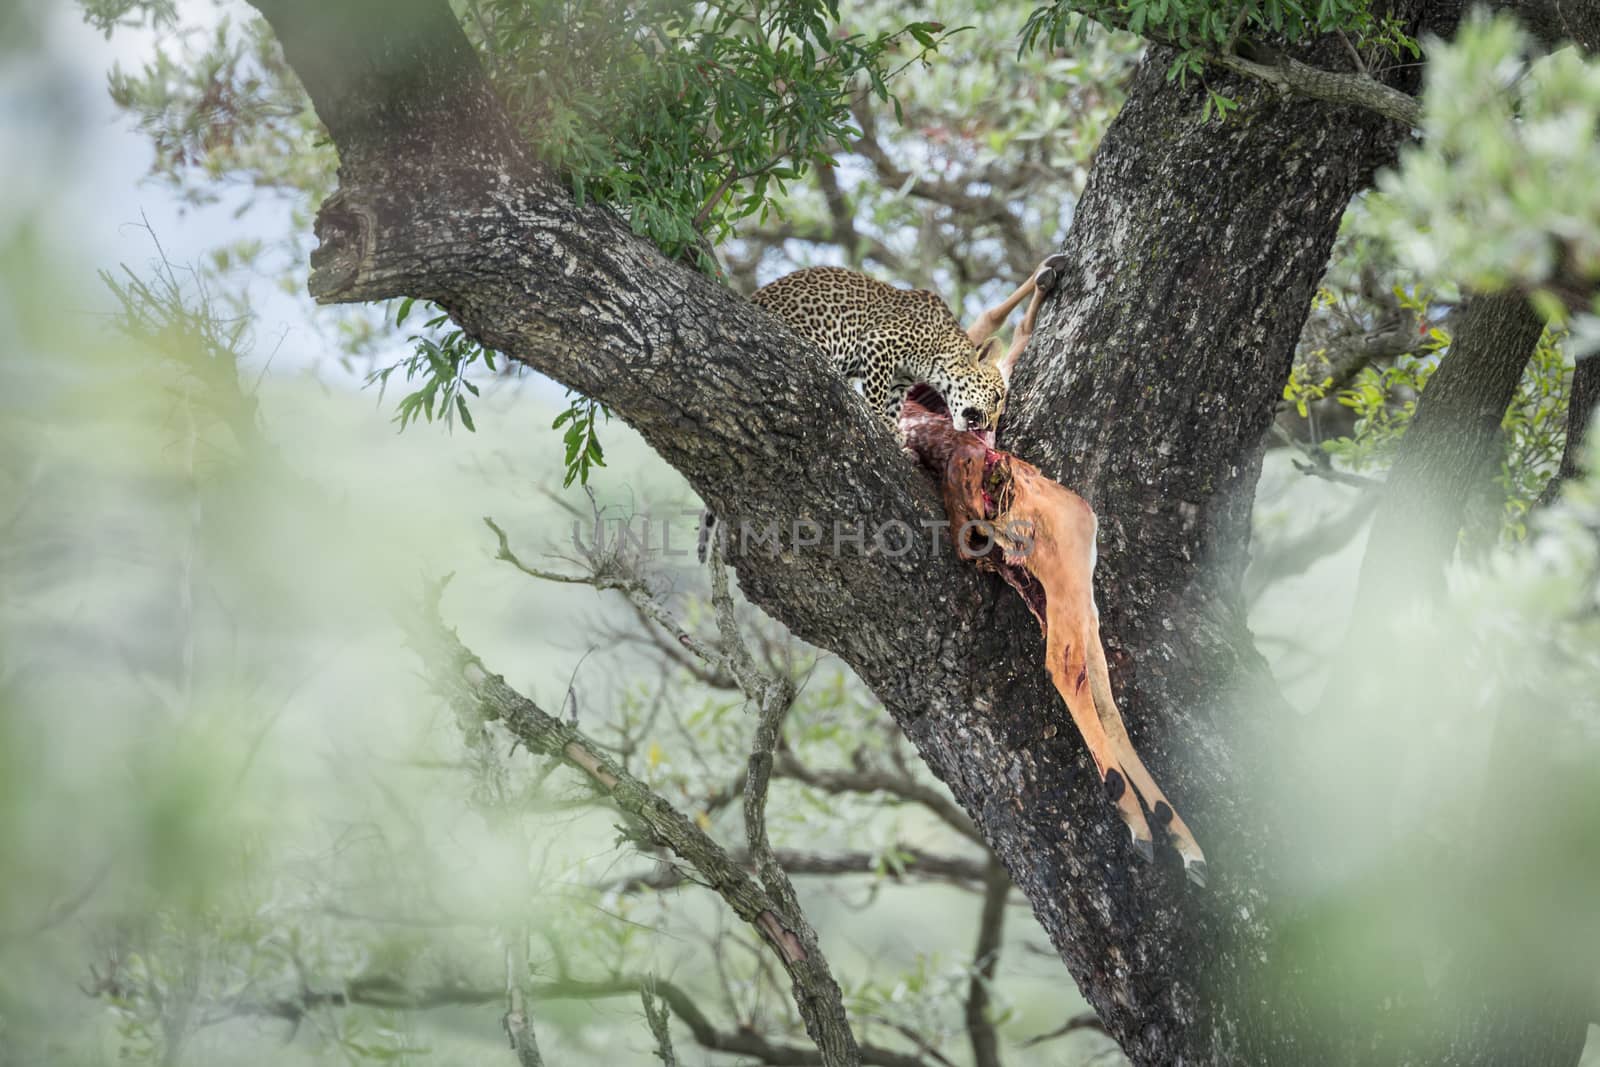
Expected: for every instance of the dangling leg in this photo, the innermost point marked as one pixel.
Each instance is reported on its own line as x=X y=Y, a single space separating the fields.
x=1066 y=652
x=991 y=320
x=1161 y=810
x=1043 y=281
x=1023 y=334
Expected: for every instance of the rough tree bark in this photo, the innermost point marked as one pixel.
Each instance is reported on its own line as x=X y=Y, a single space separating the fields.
x=1197 y=249
x=1581 y=405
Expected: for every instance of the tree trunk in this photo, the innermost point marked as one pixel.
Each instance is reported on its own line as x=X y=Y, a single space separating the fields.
x=1447 y=457
x=1581 y=403
x=1196 y=250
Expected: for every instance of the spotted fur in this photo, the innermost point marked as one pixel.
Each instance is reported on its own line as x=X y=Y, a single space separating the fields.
x=890 y=340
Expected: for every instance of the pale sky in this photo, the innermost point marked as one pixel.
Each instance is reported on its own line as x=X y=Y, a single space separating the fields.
x=78 y=169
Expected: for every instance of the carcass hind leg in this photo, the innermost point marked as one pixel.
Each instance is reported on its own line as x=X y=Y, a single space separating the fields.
x=1065 y=651
x=1116 y=731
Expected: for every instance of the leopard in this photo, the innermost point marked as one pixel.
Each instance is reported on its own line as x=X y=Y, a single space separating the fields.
x=890 y=340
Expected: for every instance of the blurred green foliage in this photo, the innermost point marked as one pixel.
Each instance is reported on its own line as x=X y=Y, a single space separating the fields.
x=239 y=829
x=108 y=15
x=1383 y=399
x=1499 y=189
x=1487 y=721
x=282 y=807
x=19 y=25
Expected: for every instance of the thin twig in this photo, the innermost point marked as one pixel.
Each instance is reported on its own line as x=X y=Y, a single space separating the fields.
x=1086 y=1020
x=874 y=780
x=656 y=1015
x=909 y=864
x=608 y=575
x=1355 y=56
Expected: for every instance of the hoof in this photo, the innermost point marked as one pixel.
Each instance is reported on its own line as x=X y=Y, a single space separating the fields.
x=1196 y=870
x=1050 y=273
x=1147 y=850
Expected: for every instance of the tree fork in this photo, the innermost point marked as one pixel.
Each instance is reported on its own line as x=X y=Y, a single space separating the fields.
x=1196 y=249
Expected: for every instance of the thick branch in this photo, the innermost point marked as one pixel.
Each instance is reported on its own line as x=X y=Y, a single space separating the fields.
x=786 y=924
x=473 y=689
x=440 y=203
x=1289 y=75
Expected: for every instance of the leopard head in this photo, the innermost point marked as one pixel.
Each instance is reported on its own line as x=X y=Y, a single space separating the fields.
x=976 y=394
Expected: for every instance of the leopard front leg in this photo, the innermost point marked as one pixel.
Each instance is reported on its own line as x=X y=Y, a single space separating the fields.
x=885 y=395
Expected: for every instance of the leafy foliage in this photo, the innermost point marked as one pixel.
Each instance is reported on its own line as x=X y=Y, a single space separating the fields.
x=959 y=182
x=1535 y=433
x=1199 y=28
x=686 y=116
x=1499 y=190
x=441 y=362
x=1375 y=334
x=582 y=444
x=1383 y=400
x=227 y=106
